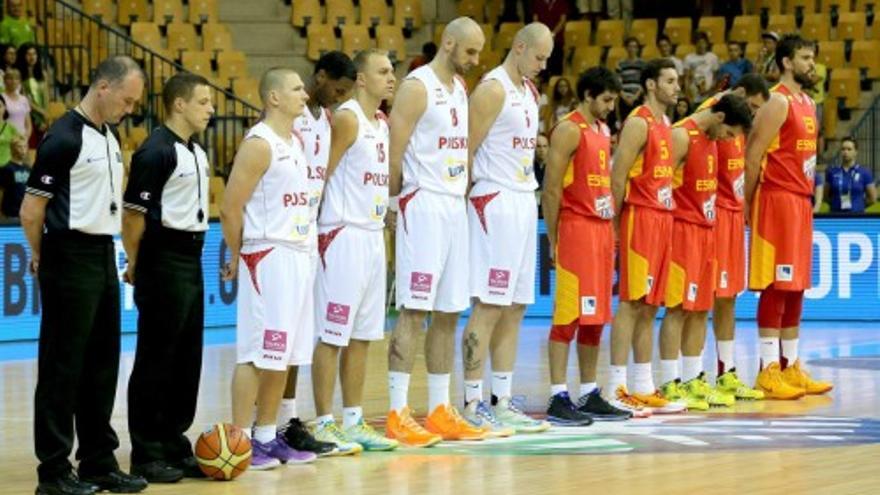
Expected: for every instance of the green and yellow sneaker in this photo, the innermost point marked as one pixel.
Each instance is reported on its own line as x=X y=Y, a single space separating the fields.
x=675 y=392
x=699 y=387
x=369 y=438
x=731 y=384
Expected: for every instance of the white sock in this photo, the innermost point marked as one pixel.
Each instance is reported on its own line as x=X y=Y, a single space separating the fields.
x=264 y=433
x=691 y=367
x=669 y=370
x=322 y=420
x=790 y=351
x=558 y=388
x=644 y=380
x=769 y=351
x=473 y=390
x=398 y=387
x=586 y=388
x=438 y=390
x=616 y=378
x=725 y=355
x=502 y=384
x=287 y=411
x=351 y=416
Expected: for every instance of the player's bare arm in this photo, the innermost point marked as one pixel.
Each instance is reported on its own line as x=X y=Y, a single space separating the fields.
x=632 y=139
x=768 y=120
x=32 y=215
x=343 y=133
x=410 y=103
x=563 y=143
x=251 y=162
x=484 y=106
x=133 y=226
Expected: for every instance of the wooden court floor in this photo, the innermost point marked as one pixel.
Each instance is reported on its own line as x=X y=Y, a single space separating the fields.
x=814 y=445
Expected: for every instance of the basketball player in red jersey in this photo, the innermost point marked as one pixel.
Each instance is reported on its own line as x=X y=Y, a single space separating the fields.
x=578 y=211
x=641 y=184
x=780 y=168
x=690 y=287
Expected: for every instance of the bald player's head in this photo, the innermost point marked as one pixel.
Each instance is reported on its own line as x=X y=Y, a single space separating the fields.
x=281 y=88
x=532 y=47
x=461 y=44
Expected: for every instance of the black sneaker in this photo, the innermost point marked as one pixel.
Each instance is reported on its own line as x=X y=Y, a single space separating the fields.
x=299 y=438
x=67 y=484
x=157 y=472
x=117 y=482
x=562 y=412
x=594 y=405
x=190 y=468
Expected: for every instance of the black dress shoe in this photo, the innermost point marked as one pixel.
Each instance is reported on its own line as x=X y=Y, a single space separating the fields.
x=68 y=484
x=190 y=468
x=157 y=472
x=117 y=482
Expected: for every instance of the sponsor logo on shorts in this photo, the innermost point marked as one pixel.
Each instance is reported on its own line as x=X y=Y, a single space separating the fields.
x=499 y=279
x=692 y=292
x=334 y=333
x=650 y=282
x=338 y=313
x=588 y=305
x=275 y=340
x=784 y=273
x=723 y=282
x=420 y=282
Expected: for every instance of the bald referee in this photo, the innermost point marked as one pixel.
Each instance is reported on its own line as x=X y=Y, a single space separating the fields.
x=163 y=229
x=69 y=215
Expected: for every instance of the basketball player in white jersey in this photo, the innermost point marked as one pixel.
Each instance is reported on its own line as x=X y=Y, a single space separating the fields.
x=265 y=217
x=429 y=134
x=330 y=85
x=503 y=222
x=349 y=291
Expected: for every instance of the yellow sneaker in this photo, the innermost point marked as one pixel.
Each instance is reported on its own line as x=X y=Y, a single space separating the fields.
x=771 y=382
x=403 y=428
x=658 y=404
x=797 y=376
x=446 y=421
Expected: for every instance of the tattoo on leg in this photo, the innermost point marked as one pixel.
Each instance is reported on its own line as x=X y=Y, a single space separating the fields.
x=471 y=361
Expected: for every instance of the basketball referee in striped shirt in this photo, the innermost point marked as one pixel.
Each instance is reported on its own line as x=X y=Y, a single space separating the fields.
x=163 y=230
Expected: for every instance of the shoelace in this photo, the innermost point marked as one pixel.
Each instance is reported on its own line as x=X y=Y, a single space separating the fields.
x=411 y=424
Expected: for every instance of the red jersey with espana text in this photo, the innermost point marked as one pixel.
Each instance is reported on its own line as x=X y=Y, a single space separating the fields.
x=695 y=183
x=650 y=179
x=790 y=162
x=586 y=186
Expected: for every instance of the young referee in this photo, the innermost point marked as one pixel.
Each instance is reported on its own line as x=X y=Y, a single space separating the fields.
x=69 y=215
x=163 y=230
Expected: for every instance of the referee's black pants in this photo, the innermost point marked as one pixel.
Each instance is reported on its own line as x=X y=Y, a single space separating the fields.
x=78 y=354
x=164 y=384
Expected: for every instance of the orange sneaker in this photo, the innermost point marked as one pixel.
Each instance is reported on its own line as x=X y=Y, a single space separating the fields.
x=403 y=428
x=446 y=421
x=771 y=381
x=796 y=376
x=658 y=404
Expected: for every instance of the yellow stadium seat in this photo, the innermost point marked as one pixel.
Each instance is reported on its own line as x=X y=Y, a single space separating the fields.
x=583 y=58
x=865 y=56
x=615 y=55
x=374 y=12
x=577 y=34
x=714 y=27
x=231 y=66
x=146 y=34
x=650 y=52
x=340 y=12
x=644 y=30
x=167 y=11
x=390 y=39
x=197 y=62
x=475 y=9
x=319 y=39
x=203 y=11
x=408 y=13
x=746 y=28
x=845 y=84
x=851 y=26
x=216 y=38
x=753 y=50
x=248 y=90
x=682 y=51
x=610 y=33
x=862 y=5
x=355 y=38
x=493 y=11
x=135 y=137
x=720 y=51
x=831 y=53
x=182 y=36
x=99 y=8
x=488 y=33
x=829 y=117
x=805 y=6
x=827 y=6
x=505 y=35
x=129 y=11
x=305 y=12
x=438 y=33
x=816 y=27
x=679 y=30
x=781 y=23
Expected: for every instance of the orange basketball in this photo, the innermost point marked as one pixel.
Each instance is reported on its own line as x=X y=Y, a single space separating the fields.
x=223 y=452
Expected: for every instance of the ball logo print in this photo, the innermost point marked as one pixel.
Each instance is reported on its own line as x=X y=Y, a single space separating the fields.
x=275 y=340
x=420 y=282
x=338 y=313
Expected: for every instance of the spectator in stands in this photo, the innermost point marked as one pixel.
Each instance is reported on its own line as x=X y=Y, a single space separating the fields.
x=681 y=109
x=8 y=55
x=35 y=87
x=13 y=179
x=700 y=69
x=630 y=72
x=542 y=145
x=554 y=14
x=8 y=133
x=561 y=102
x=17 y=104
x=849 y=187
x=620 y=9
x=15 y=29
x=766 y=63
x=429 y=49
x=735 y=67
x=664 y=46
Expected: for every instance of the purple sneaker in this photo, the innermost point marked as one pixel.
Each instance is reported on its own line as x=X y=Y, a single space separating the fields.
x=261 y=456
x=279 y=449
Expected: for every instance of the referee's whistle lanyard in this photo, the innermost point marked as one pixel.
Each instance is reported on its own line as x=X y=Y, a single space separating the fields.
x=114 y=208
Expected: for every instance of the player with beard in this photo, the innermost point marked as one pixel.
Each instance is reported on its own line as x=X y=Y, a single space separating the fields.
x=780 y=169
